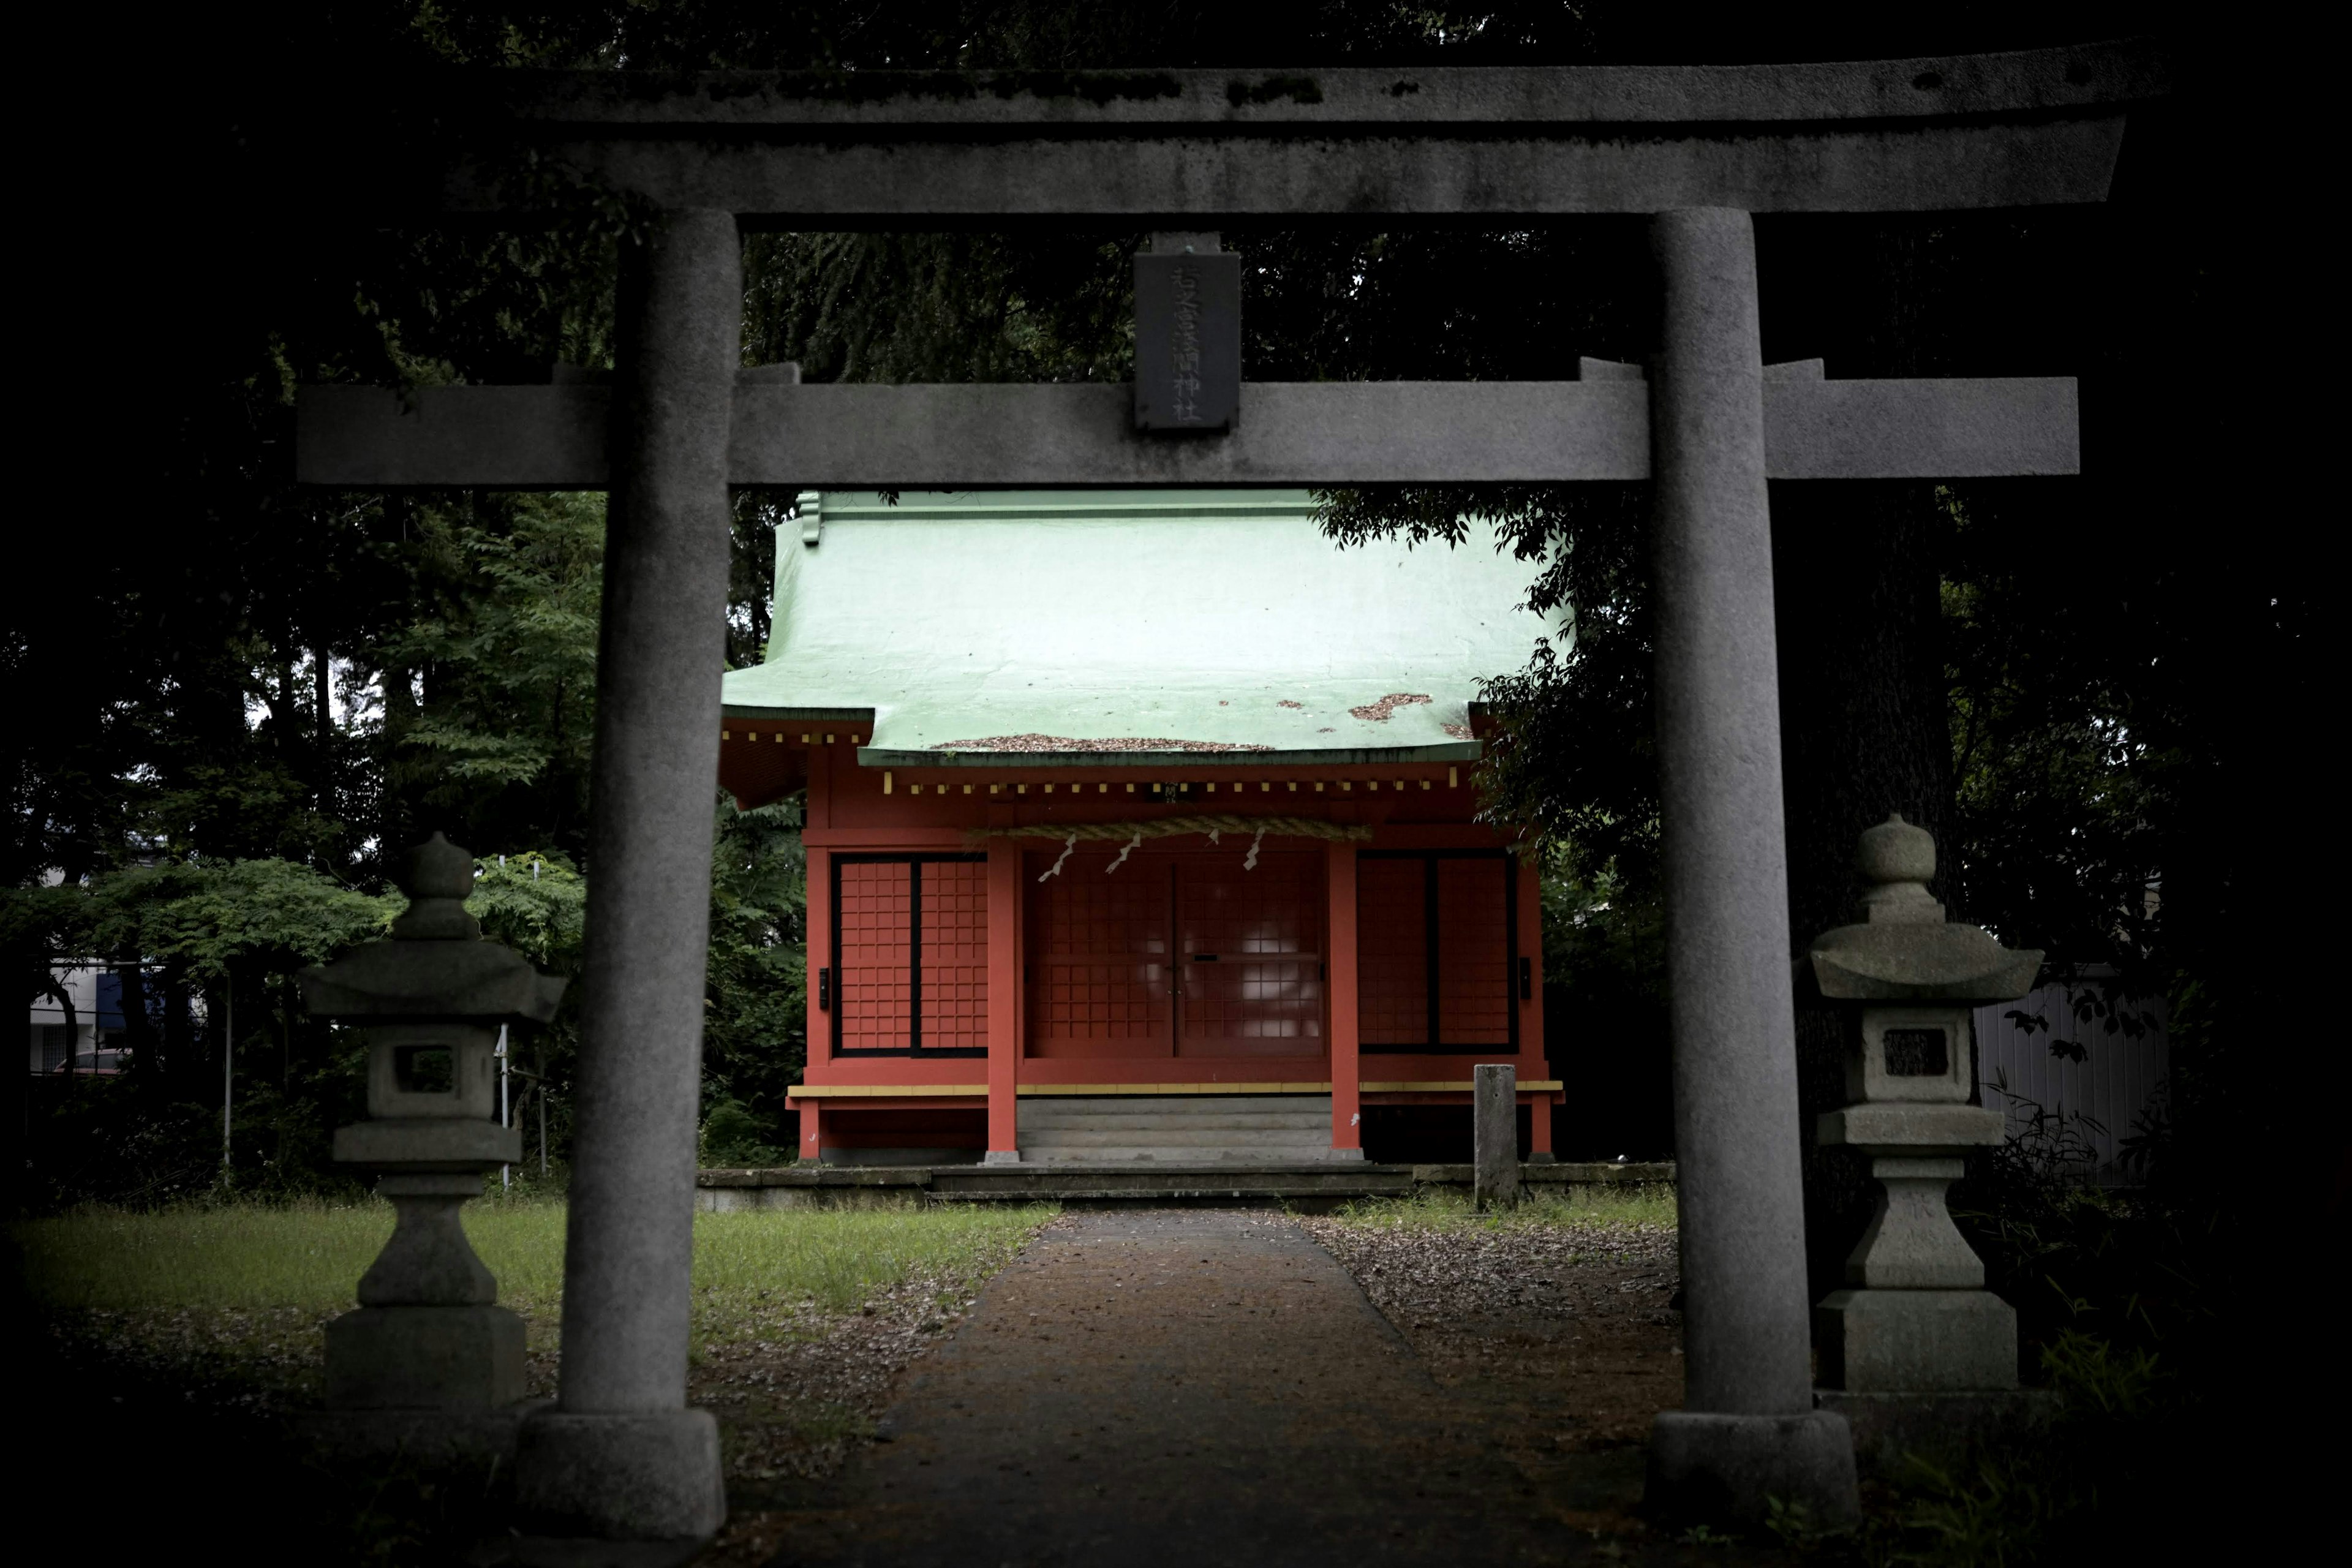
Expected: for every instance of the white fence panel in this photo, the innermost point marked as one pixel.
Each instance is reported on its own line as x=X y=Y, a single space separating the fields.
x=2117 y=1081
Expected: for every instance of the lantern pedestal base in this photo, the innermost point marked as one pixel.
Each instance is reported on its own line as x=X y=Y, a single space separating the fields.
x=1711 y=1468
x=424 y=1358
x=1916 y=1342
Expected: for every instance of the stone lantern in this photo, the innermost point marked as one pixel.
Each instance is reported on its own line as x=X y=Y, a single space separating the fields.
x=1915 y=1319
x=428 y=1338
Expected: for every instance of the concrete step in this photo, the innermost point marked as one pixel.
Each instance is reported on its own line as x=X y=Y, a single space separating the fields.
x=1177 y=1137
x=1300 y=1121
x=1212 y=1129
x=1114 y=1155
x=1233 y=1105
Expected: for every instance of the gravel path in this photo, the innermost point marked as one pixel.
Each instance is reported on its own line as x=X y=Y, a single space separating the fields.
x=1570 y=1335
x=1205 y=1387
x=798 y=1389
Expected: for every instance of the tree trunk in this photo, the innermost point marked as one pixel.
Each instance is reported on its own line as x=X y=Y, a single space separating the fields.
x=322 y=731
x=284 y=710
x=139 y=1030
x=1855 y=570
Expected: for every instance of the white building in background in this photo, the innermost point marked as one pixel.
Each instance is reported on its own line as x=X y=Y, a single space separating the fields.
x=92 y=1040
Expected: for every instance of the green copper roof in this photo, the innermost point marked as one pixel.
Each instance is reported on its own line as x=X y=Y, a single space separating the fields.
x=1135 y=622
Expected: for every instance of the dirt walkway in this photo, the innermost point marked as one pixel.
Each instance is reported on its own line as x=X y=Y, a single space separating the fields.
x=1201 y=1387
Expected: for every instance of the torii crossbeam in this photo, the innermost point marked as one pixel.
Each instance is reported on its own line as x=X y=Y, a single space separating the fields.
x=1698 y=149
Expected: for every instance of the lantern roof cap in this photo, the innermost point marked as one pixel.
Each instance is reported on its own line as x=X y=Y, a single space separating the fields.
x=1905 y=950
x=436 y=965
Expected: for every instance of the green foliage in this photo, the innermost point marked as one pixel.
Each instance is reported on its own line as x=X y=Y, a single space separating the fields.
x=735 y=1136
x=2063 y=788
x=754 y=1029
x=2120 y=1298
x=535 y=902
x=1573 y=760
x=505 y=656
x=272 y=914
x=2092 y=1478
x=2136 y=1268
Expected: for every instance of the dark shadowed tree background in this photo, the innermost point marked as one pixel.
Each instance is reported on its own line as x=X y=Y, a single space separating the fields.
x=235 y=696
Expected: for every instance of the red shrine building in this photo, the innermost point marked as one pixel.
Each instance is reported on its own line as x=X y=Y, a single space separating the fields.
x=1139 y=827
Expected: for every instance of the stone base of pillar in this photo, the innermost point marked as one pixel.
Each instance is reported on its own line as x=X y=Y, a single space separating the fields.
x=1346 y=1155
x=1916 y=1342
x=1712 y=1468
x=1543 y=1157
x=1003 y=1157
x=1942 y=1428
x=647 y=1476
x=424 y=1358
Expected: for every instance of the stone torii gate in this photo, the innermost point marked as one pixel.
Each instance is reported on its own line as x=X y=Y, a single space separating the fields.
x=1693 y=149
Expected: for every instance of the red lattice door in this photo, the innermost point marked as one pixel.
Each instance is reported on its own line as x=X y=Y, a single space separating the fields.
x=953 y=920
x=1250 y=948
x=1099 y=982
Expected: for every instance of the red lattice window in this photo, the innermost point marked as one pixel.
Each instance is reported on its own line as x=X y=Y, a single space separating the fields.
x=1474 y=953
x=1391 y=954
x=910 y=952
x=1436 y=944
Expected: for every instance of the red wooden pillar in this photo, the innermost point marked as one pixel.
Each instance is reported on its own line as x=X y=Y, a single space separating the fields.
x=1339 y=923
x=1526 y=986
x=1004 y=1001
x=821 y=957
x=1528 y=996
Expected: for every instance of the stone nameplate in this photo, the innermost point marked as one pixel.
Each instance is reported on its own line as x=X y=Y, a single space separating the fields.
x=1188 y=341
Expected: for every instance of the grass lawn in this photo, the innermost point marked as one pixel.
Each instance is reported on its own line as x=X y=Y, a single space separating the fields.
x=194 y=1330
x=250 y=1272
x=1643 y=1206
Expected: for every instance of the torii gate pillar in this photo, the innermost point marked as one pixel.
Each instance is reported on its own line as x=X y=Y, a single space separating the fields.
x=1747 y=1429
x=620 y=1455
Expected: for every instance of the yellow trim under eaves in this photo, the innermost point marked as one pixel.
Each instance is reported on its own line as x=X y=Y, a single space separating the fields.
x=1460 y=1085
x=882 y=1090
x=1033 y=1088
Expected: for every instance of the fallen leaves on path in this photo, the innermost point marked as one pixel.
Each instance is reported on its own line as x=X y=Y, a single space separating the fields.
x=1574 y=1330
